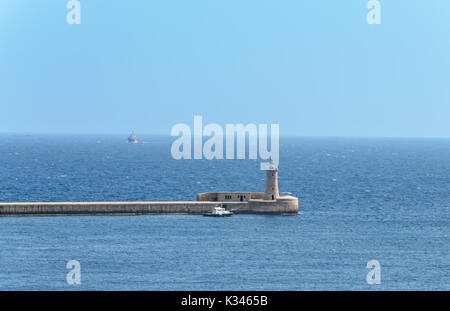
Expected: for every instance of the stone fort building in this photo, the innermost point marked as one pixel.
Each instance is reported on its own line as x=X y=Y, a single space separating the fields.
x=269 y=201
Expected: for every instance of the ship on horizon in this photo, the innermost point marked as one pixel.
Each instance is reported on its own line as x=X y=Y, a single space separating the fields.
x=132 y=139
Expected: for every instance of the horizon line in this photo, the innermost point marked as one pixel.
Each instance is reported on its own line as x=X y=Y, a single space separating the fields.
x=168 y=135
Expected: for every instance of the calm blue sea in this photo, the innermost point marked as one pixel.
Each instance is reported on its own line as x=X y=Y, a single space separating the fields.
x=360 y=200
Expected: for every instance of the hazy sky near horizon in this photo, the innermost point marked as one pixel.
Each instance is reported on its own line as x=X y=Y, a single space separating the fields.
x=315 y=67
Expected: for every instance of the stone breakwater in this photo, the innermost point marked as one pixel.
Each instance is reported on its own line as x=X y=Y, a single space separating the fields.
x=281 y=205
x=268 y=202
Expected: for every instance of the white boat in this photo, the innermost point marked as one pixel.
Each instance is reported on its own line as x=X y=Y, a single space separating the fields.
x=219 y=212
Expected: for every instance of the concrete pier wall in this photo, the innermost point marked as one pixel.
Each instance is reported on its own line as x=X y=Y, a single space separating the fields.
x=268 y=202
x=282 y=205
x=98 y=208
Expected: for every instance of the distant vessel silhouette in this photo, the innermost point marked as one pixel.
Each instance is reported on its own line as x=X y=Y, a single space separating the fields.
x=133 y=139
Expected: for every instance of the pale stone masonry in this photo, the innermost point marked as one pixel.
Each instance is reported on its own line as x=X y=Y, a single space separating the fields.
x=269 y=202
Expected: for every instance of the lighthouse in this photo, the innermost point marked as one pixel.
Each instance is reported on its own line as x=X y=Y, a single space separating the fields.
x=271 y=192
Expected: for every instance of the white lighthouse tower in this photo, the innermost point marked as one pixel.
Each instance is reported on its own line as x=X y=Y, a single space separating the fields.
x=271 y=192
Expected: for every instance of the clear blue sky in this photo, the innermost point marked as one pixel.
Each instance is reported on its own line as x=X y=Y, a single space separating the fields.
x=315 y=67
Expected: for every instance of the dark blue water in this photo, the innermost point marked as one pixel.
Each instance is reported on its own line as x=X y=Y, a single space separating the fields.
x=360 y=199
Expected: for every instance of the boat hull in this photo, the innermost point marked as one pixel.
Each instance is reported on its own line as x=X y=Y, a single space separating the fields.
x=217 y=215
